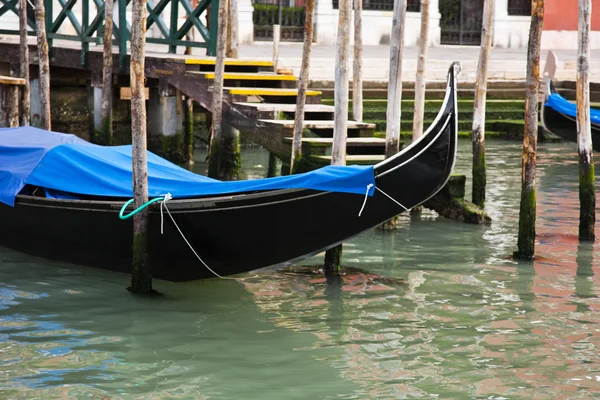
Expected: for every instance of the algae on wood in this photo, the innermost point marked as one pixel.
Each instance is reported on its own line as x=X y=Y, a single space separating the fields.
x=450 y=203
x=479 y=173
x=188 y=131
x=587 y=182
x=141 y=279
x=527 y=212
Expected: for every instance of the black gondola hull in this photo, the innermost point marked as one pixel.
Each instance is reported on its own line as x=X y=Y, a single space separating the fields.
x=565 y=126
x=235 y=233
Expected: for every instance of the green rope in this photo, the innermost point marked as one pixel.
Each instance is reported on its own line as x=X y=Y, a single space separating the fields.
x=137 y=210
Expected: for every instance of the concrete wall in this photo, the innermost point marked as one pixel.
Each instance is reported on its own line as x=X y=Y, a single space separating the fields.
x=560 y=25
x=510 y=31
x=377 y=25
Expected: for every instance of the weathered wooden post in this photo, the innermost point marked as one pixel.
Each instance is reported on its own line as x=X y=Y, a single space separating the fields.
x=224 y=158
x=392 y=132
x=141 y=279
x=420 y=83
x=527 y=213
x=12 y=104
x=296 y=158
x=44 y=64
x=190 y=36
x=25 y=108
x=106 y=109
x=232 y=31
x=357 y=84
x=478 y=132
x=276 y=38
x=333 y=256
x=587 y=181
x=188 y=131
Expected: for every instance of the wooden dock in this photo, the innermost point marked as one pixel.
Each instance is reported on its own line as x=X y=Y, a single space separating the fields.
x=258 y=101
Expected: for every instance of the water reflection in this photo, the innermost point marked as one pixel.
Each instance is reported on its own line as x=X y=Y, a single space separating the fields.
x=435 y=309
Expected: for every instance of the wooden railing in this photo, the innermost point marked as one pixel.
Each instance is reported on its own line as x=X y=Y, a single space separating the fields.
x=85 y=25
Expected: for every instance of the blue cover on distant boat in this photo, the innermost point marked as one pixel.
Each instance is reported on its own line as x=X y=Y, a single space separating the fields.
x=558 y=103
x=68 y=165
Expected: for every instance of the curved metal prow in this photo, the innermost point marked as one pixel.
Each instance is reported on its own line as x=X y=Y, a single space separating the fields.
x=546 y=87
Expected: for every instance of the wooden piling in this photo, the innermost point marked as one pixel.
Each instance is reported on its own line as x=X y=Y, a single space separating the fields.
x=420 y=82
x=333 y=256
x=141 y=279
x=478 y=132
x=302 y=86
x=272 y=168
x=527 y=212
x=25 y=108
x=587 y=181
x=392 y=134
x=106 y=131
x=357 y=90
x=276 y=38
x=188 y=131
x=191 y=34
x=224 y=158
x=12 y=105
x=44 y=64
x=232 y=31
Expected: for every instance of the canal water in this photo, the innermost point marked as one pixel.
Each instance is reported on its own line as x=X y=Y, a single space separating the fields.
x=437 y=309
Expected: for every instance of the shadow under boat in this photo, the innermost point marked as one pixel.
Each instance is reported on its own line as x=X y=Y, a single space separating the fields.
x=241 y=232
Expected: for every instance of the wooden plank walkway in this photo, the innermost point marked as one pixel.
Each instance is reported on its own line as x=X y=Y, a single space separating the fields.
x=246 y=76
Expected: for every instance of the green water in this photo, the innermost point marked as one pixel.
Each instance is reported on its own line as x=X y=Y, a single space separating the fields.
x=435 y=310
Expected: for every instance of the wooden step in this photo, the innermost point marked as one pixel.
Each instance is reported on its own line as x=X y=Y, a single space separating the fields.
x=289 y=124
x=289 y=108
x=363 y=159
x=248 y=91
x=9 y=80
x=245 y=76
x=358 y=141
x=240 y=62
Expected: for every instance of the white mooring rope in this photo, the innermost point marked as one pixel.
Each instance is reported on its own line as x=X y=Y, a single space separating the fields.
x=369 y=186
x=163 y=203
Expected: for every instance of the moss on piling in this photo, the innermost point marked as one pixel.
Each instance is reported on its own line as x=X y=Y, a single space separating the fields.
x=333 y=261
x=104 y=135
x=141 y=279
x=527 y=216
x=224 y=160
x=479 y=175
x=168 y=147
x=450 y=203
x=587 y=200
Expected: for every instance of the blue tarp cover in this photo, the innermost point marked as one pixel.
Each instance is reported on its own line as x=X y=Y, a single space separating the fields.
x=65 y=166
x=560 y=104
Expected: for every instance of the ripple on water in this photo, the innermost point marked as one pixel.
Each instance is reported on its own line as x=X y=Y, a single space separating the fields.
x=436 y=309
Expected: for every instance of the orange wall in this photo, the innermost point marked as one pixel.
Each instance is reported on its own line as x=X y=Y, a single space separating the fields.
x=561 y=15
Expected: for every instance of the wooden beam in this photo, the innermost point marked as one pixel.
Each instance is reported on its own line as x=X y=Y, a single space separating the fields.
x=9 y=80
x=125 y=93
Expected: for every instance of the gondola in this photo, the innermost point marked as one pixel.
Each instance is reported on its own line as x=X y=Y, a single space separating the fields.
x=245 y=229
x=559 y=116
